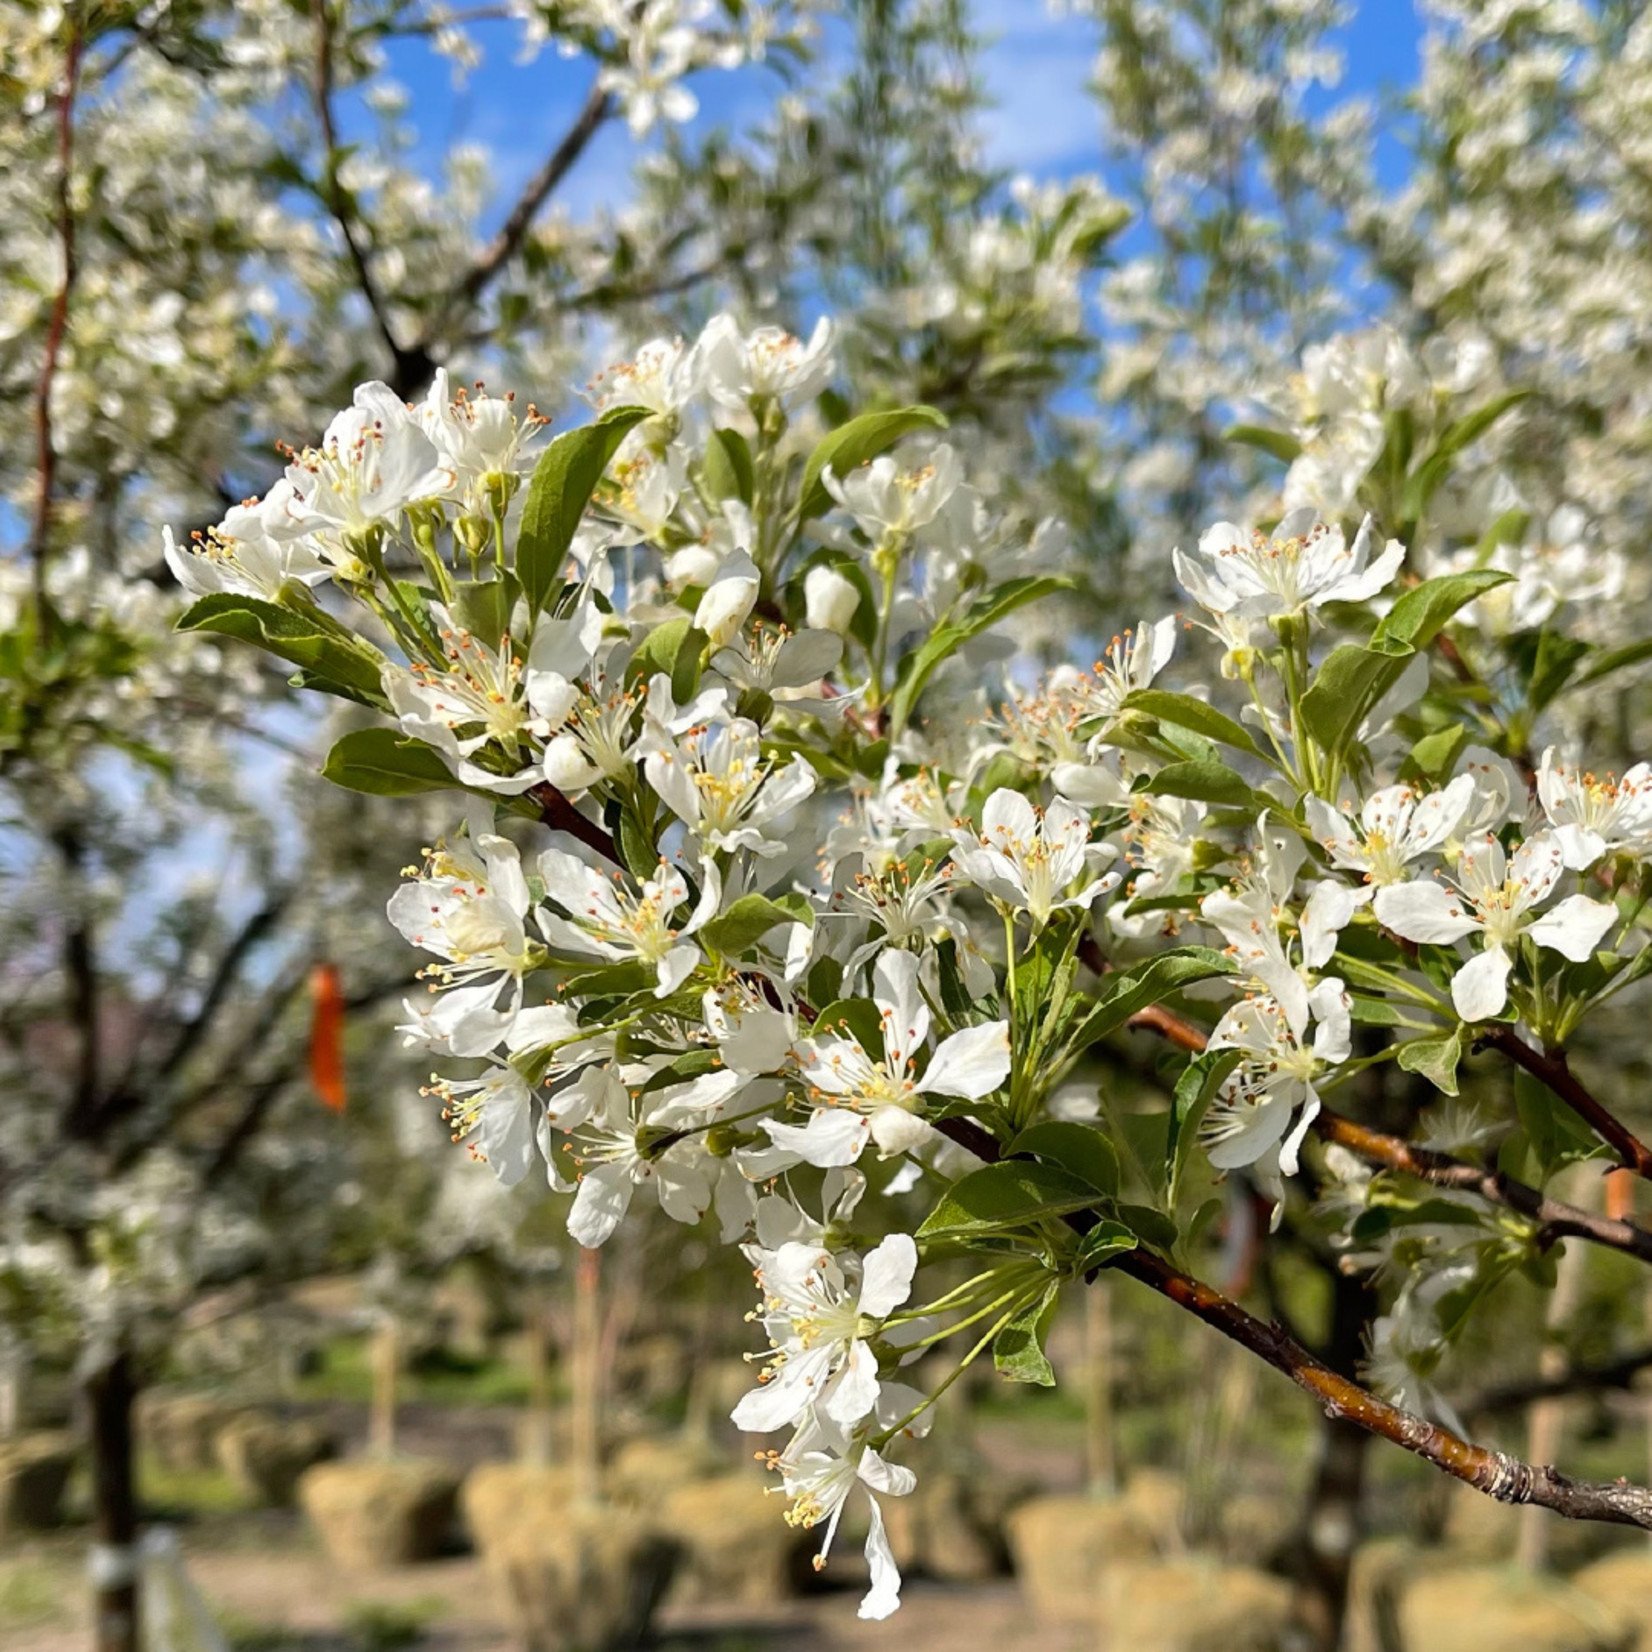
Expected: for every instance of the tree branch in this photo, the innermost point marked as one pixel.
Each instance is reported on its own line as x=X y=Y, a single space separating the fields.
x=1492 y=1472
x=1551 y=1068
x=598 y=107
x=57 y=324
x=561 y=816
x=411 y=367
x=1577 y=1379
x=1558 y=1219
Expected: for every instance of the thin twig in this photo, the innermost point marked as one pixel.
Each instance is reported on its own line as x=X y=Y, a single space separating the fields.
x=561 y=816
x=1551 y=1068
x=1577 y=1379
x=1557 y=1219
x=410 y=366
x=474 y=283
x=57 y=325
x=1492 y=1472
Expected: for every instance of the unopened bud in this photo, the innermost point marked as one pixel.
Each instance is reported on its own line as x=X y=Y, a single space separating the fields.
x=829 y=600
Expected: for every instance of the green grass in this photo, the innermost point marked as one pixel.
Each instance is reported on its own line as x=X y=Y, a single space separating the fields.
x=188 y=1492
x=344 y=1372
x=36 y=1590
x=389 y=1626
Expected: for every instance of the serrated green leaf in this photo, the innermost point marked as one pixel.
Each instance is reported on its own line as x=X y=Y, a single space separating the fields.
x=745 y=923
x=1102 y=1243
x=558 y=492
x=1347 y=685
x=1199 y=1082
x=1080 y=1148
x=1186 y=712
x=345 y=665
x=384 y=763
x=1418 y=617
x=1435 y=1058
x=1127 y=991
x=483 y=607
x=1014 y=1193
x=851 y=445
x=675 y=649
x=1018 y=1349
x=1207 y=783
x=1150 y=1226
x=920 y=665
x=728 y=472
x=1435 y=755
x=856 y=1018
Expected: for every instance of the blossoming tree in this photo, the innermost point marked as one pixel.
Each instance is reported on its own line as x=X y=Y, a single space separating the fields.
x=734 y=920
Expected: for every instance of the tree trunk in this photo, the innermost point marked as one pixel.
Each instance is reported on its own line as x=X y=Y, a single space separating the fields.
x=110 y=1395
x=585 y=1375
x=1332 y=1520
x=1100 y=1457
x=1546 y=1423
x=538 y=1430
x=386 y=1361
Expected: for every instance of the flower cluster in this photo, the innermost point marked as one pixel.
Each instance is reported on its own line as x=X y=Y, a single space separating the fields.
x=729 y=926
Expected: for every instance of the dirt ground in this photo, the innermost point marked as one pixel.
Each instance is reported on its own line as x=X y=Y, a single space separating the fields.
x=272 y=1590
x=279 y=1593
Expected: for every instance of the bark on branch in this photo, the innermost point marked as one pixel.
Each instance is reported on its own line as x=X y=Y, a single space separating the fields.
x=1558 y=1219
x=1493 y=1472
x=1551 y=1068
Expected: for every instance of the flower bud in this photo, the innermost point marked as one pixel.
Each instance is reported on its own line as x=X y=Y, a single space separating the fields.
x=728 y=600
x=829 y=599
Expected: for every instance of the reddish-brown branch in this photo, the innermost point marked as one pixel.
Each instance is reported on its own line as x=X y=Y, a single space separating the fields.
x=1550 y=1067
x=57 y=325
x=1558 y=1219
x=1490 y=1471
x=561 y=816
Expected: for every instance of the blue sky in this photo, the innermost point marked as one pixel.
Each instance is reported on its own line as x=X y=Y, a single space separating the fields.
x=1036 y=67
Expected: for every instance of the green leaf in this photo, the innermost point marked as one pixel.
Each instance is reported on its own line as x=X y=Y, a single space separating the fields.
x=1423 y=482
x=483 y=607
x=919 y=666
x=1418 y=617
x=1349 y=682
x=851 y=445
x=558 y=492
x=1151 y=1227
x=1207 y=783
x=728 y=472
x=675 y=648
x=637 y=848
x=1280 y=443
x=1557 y=1135
x=329 y=660
x=1080 y=1148
x=1200 y=1080
x=1018 y=1349
x=1102 y=1243
x=745 y=923
x=1014 y=1193
x=1615 y=659
x=387 y=764
x=1549 y=660
x=856 y=1018
x=1127 y=991
x=1435 y=1058
x=1435 y=755
x=1186 y=712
